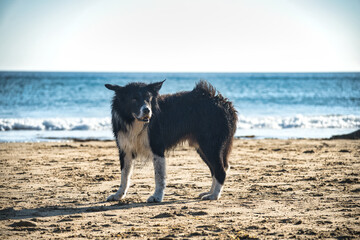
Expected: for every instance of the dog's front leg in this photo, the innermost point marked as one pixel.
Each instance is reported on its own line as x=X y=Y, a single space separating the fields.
x=160 y=176
x=126 y=170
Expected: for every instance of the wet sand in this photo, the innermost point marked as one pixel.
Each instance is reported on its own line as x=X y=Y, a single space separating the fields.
x=275 y=189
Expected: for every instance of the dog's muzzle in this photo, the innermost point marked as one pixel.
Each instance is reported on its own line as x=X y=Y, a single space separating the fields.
x=144 y=119
x=145 y=114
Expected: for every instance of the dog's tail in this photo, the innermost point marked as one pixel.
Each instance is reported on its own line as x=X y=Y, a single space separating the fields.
x=205 y=89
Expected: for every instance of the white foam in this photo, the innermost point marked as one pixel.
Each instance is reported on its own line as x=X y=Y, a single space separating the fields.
x=55 y=124
x=299 y=121
x=100 y=124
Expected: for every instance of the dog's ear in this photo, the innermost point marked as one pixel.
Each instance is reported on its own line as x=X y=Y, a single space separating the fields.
x=113 y=87
x=155 y=87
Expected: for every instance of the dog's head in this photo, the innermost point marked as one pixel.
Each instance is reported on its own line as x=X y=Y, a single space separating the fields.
x=135 y=100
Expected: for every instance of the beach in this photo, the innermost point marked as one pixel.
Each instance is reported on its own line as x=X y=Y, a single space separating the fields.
x=275 y=189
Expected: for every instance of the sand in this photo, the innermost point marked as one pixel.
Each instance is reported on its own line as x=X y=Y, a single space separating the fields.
x=275 y=189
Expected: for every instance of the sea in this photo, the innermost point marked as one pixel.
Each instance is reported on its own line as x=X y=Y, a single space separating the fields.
x=63 y=106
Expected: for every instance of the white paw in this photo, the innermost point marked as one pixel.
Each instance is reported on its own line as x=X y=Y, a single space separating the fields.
x=210 y=197
x=155 y=199
x=113 y=197
x=203 y=194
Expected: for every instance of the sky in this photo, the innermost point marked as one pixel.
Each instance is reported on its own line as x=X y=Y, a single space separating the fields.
x=180 y=35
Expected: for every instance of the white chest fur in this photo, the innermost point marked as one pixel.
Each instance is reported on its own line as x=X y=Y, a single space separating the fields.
x=135 y=141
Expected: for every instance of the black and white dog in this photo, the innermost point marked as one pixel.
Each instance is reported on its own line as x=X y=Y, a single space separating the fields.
x=146 y=124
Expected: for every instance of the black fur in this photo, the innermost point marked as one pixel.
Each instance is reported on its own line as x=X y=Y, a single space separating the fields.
x=202 y=116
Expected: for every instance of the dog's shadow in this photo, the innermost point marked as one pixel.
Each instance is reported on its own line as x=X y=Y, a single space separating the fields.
x=51 y=211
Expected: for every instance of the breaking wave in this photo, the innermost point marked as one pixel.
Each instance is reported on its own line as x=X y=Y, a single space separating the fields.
x=55 y=124
x=266 y=122
x=299 y=121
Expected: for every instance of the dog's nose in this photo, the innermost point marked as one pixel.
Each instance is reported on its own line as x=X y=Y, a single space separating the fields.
x=146 y=110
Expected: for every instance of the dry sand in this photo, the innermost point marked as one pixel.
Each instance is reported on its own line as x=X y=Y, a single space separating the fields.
x=276 y=189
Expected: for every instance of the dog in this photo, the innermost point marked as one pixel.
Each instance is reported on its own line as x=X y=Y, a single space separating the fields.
x=146 y=124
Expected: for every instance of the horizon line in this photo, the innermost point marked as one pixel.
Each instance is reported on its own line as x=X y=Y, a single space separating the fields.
x=101 y=71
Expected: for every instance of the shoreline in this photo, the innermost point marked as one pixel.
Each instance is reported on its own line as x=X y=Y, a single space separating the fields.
x=304 y=188
x=107 y=135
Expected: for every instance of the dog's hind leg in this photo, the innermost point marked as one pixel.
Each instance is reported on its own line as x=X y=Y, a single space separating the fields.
x=218 y=180
x=160 y=177
x=215 y=191
x=212 y=173
x=211 y=189
x=213 y=158
x=126 y=162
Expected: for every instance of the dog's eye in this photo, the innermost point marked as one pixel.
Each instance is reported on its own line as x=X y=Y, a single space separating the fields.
x=135 y=98
x=148 y=97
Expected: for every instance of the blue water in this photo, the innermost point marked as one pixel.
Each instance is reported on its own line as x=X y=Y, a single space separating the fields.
x=268 y=103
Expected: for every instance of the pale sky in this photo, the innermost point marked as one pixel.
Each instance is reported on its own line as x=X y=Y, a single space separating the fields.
x=180 y=35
